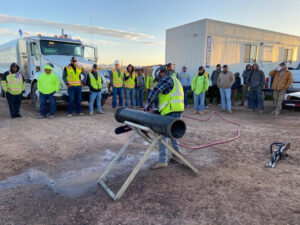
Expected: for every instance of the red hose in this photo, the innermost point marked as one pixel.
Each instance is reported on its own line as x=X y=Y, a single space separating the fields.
x=217 y=142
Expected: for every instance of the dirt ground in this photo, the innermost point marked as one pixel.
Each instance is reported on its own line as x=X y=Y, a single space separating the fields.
x=49 y=168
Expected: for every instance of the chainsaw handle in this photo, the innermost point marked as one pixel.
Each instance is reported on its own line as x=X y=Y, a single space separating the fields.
x=278 y=144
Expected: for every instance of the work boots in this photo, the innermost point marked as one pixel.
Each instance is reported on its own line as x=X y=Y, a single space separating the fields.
x=158 y=165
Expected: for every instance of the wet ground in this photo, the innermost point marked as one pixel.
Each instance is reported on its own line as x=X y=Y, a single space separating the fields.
x=49 y=171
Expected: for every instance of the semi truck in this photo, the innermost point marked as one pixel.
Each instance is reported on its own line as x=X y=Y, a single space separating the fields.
x=34 y=52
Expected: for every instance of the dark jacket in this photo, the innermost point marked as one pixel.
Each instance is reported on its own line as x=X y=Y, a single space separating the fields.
x=246 y=74
x=237 y=83
x=257 y=78
x=88 y=82
x=214 y=77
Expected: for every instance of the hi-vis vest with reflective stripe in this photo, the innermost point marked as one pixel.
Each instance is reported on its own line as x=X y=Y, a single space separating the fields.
x=173 y=101
x=73 y=77
x=150 y=84
x=175 y=74
x=130 y=82
x=96 y=84
x=14 y=84
x=117 y=81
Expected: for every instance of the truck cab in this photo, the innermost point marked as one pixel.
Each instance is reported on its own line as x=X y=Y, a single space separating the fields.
x=36 y=52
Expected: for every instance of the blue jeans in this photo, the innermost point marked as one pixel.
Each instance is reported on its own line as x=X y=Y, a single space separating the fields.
x=185 y=90
x=117 y=91
x=139 y=97
x=256 y=94
x=225 y=94
x=93 y=96
x=199 y=101
x=163 y=148
x=43 y=104
x=129 y=94
x=74 y=96
x=249 y=100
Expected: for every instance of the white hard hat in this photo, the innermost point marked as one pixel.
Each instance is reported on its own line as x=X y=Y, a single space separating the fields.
x=138 y=68
x=117 y=62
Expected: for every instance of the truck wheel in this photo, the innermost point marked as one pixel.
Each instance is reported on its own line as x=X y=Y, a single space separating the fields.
x=35 y=97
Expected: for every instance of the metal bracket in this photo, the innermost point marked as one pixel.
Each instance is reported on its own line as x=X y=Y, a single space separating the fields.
x=153 y=143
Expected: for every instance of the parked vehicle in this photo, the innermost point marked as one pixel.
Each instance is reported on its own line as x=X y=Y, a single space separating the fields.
x=34 y=52
x=107 y=74
x=291 y=101
x=295 y=86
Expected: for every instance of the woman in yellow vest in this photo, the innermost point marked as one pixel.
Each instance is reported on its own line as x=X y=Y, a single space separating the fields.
x=95 y=83
x=170 y=102
x=200 y=85
x=129 y=84
x=48 y=83
x=13 y=84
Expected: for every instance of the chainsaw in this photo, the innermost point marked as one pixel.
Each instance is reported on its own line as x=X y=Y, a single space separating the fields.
x=278 y=153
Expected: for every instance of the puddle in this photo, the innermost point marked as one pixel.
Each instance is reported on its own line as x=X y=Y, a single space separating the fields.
x=80 y=180
x=78 y=176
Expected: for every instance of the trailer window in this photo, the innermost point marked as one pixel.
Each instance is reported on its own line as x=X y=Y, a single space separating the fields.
x=288 y=55
x=60 y=48
x=250 y=53
x=267 y=54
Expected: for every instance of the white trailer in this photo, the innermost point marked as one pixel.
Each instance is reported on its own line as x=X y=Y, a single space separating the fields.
x=208 y=43
x=33 y=53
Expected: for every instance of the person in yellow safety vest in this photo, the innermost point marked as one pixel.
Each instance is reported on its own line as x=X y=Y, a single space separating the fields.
x=130 y=78
x=171 y=70
x=13 y=84
x=139 y=87
x=171 y=103
x=72 y=76
x=117 y=81
x=200 y=85
x=48 y=83
x=150 y=83
x=95 y=83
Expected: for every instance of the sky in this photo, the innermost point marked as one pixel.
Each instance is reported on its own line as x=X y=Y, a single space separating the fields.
x=133 y=31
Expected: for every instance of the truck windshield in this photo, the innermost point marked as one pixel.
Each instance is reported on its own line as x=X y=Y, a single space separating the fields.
x=60 y=48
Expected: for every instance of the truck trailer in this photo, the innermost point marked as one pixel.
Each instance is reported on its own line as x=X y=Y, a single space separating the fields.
x=34 y=52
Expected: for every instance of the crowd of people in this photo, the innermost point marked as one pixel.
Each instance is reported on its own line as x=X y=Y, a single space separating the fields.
x=225 y=86
x=223 y=90
x=167 y=90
